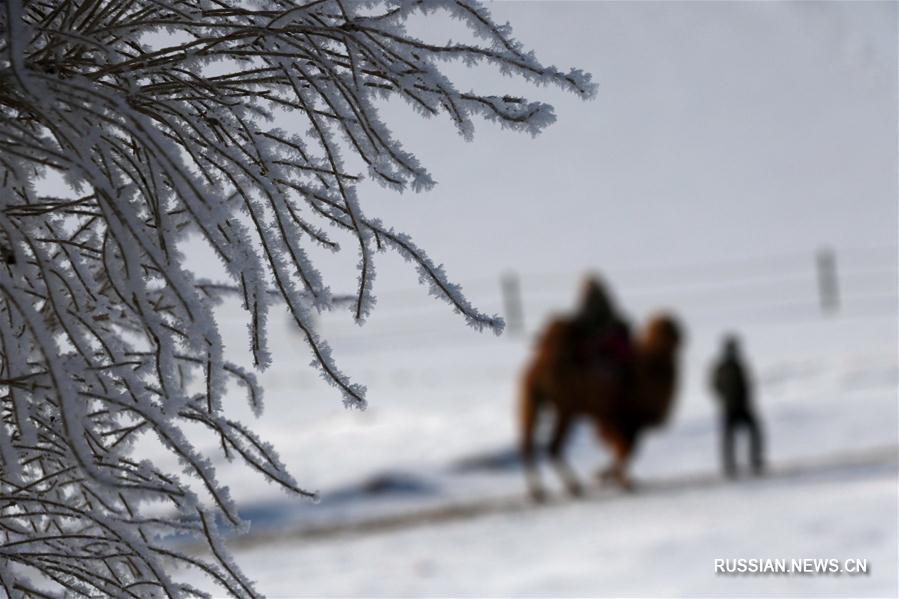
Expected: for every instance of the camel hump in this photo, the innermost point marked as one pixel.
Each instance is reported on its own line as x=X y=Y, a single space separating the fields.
x=556 y=338
x=555 y=331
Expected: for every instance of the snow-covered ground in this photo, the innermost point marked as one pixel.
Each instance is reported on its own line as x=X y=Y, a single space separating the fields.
x=647 y=545
x=441 y=430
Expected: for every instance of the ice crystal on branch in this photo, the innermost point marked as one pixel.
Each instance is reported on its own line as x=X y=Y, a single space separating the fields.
x=158 y=115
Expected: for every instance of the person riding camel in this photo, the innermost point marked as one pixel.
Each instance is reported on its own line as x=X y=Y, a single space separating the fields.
x=601 y=338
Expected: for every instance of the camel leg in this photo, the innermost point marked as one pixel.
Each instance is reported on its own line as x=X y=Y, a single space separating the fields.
x=621 y=444
x=556 y=452
x=609 y=438
x=529 y=409
x=623 y=451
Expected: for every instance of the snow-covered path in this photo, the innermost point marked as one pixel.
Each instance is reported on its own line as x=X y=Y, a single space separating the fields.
x=661 y=542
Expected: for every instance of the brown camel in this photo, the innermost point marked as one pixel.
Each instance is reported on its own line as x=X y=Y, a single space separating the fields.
x=587 y=367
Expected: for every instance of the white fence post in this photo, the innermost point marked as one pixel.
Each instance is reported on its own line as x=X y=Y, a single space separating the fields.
x=514 y=312
x=828 y=285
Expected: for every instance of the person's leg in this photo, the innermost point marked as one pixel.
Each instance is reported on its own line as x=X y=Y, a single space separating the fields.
x=756 y=448
x=728 y=425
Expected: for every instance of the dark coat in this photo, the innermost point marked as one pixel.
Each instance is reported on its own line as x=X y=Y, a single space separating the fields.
x=732 y=386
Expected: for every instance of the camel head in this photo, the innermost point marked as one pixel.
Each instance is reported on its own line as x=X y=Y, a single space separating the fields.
x=661 y=335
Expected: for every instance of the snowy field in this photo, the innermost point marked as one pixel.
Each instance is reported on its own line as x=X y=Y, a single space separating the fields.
x=729 y=142
x=440 y=435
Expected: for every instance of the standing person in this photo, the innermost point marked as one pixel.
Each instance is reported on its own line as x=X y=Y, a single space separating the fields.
x=731 y=384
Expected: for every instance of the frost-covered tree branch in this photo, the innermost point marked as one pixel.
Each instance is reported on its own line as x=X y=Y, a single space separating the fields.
x=158 y=115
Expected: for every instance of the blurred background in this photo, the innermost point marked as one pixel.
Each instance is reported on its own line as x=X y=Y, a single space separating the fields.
x=739 y=168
